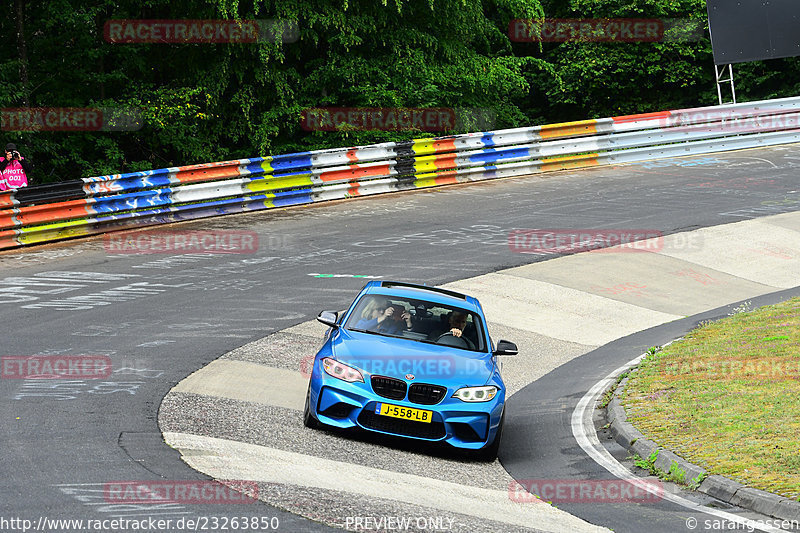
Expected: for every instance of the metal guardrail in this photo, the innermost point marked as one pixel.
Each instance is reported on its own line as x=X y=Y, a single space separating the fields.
x=123 y=201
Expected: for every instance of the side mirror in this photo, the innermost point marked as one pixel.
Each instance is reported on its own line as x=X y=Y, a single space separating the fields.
x=505 y=348
x=329 y=318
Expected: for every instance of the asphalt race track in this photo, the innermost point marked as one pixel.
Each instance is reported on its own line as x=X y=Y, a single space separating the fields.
x=169 y=315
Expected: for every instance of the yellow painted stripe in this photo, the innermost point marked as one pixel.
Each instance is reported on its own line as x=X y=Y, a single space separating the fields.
x=56 y=225
x=267 y=166
x=423 y=146
x=570 y=161
x=52 y=232
x=271 y=183
x=424 y=166
x=567 y=129
x=429 y=182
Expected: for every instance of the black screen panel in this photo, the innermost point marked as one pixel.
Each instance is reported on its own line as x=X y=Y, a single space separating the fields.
x=750 y=30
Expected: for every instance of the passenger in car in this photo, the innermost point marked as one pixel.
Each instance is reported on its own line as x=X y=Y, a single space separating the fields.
x=384 y=317
x=374 y=308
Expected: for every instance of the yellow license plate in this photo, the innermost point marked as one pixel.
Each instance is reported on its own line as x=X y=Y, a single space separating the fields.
x=406 y=413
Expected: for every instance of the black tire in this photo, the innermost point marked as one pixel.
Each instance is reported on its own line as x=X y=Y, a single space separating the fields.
x=489 y=452
x=309 y=420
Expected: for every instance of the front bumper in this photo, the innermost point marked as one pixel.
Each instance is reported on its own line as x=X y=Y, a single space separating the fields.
x=460 y=424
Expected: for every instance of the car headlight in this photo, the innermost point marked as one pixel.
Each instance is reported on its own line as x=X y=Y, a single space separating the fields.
x=476 y=394
x=341 y=371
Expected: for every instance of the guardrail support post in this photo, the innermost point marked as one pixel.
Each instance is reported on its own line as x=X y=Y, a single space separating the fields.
x=719 y=71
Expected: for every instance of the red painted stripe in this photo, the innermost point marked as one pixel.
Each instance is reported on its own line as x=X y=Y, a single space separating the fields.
x=351 y=155
x=200 y=166
x=6 y=220
x=445 y=161
x=642 y=116
x=45 y=213
x=355 y=172
x=5 y=199
x=442 y=145
x=446 y=178
x=52 y=212
x=8 y=239
x=206 y=173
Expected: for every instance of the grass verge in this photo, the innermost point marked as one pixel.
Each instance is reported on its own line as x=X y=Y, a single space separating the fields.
x=727 y=397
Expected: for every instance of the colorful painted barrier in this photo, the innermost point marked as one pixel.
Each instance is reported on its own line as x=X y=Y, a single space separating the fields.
x=122 y=201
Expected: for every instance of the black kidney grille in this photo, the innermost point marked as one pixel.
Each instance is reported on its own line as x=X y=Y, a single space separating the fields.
x=391 y=388
x=426 y=393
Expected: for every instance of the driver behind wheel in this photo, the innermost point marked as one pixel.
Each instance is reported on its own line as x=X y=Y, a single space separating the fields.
x=455 y=335
x=458 y=321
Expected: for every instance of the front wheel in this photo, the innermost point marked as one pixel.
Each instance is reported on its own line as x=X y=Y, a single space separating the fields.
x=309 y=420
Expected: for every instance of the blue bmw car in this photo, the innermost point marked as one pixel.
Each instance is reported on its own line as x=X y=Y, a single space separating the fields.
x=411 y=361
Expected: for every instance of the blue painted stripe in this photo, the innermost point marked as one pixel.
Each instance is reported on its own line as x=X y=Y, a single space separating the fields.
x=140 y=174
x=255 y=168
x=492 y=154
x=294 y=199
x=292 y=161
x=127 y=202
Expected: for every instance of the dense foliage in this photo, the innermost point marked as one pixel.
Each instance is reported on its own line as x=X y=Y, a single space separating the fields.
x=210 y=102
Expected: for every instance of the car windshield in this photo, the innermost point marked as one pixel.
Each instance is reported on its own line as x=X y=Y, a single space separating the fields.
x=418 y=320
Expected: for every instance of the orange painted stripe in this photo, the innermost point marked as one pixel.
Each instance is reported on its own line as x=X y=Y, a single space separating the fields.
x=200 y=166
x=6 y=220
x=446 y=161
x=355 y=172
x=446 y=180
x=568 y=162
x=642 y=116
x=52 y=212
x=354 y=190
x=8 y=239
x=568 y=129
x=442 y=145
x=5 y=199
x=351 y=155
x=207 y=174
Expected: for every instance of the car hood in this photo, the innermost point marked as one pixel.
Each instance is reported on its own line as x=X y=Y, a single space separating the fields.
x=397 y=358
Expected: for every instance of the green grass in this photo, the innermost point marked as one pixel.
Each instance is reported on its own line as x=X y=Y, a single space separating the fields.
x=727 y=397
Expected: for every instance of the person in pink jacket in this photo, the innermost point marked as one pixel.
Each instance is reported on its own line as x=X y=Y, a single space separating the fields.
x=14 y=169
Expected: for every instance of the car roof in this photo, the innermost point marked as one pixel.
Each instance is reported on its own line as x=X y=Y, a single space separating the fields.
x=422 y=292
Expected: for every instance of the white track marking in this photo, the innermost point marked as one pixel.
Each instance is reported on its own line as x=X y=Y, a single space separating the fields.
x=585 y=434
x=227 y=459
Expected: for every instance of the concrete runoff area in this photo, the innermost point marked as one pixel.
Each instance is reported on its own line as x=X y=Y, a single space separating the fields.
x=654 y=281
x=241 y=380
x=763 y=251
x=555 y=311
